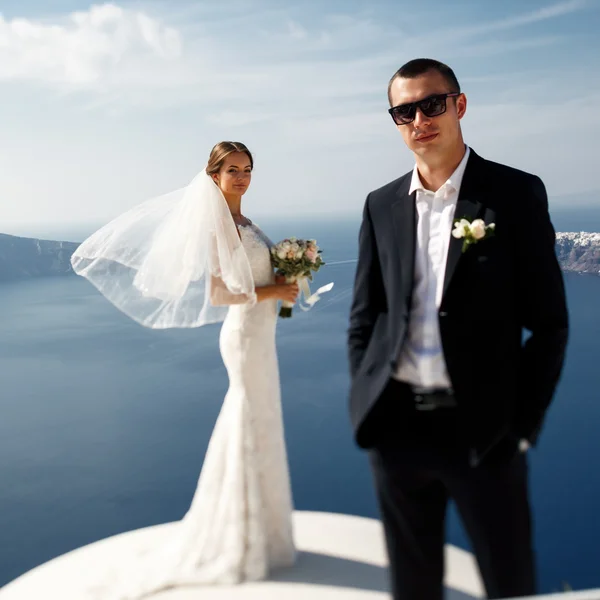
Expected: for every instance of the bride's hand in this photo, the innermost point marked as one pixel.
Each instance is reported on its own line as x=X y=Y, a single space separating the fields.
x=288 y=292
x=280 y=290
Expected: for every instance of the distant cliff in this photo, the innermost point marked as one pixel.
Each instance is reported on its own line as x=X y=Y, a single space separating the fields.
x=579 y=252
x=26 y=257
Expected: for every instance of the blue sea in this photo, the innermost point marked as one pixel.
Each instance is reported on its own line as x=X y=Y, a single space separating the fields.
x=105 y=424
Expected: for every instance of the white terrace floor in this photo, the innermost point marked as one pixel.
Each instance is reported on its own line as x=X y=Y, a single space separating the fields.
x=341 y=558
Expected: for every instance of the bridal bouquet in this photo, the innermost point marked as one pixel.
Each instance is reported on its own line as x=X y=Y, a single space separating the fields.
x=296 y=259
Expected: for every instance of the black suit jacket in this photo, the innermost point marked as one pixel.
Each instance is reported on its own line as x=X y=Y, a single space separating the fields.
x=500 y=287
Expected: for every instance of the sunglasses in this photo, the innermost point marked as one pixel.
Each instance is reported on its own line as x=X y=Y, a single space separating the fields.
x=432 y=106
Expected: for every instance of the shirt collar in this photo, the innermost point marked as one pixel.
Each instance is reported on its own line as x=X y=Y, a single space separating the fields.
x=454 y=181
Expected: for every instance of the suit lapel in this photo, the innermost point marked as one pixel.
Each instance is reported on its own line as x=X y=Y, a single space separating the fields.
x=404 y=218
x=469 y=207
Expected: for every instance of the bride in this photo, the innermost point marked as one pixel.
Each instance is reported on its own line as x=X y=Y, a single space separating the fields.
x=183 y=260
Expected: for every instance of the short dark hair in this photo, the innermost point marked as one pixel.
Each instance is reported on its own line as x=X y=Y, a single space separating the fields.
x=419 y=66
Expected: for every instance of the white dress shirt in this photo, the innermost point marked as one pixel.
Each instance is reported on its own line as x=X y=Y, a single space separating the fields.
x=421 y=361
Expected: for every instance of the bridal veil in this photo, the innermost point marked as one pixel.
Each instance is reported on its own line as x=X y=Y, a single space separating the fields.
x=157 y=261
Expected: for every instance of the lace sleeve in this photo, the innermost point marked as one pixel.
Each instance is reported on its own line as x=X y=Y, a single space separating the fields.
x=221 y=296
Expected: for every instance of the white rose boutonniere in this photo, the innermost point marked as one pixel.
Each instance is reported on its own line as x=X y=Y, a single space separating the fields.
x=472 y=231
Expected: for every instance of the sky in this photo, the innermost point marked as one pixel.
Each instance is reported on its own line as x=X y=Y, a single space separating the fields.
x=103 y=106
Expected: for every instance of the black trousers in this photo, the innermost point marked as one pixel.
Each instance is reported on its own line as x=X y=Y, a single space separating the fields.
x=416 y=471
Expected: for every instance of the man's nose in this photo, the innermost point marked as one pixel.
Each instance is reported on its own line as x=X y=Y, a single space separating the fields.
x=421 y=118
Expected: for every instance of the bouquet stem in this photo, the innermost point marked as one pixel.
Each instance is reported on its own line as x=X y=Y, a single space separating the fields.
x=285 y=312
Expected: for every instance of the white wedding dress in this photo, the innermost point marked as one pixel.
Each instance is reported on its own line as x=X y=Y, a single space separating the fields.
x=239 y=525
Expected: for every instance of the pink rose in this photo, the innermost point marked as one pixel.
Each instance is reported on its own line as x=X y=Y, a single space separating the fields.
x=311 y=255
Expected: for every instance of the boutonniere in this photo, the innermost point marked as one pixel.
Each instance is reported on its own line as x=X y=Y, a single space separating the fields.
x=472 y=231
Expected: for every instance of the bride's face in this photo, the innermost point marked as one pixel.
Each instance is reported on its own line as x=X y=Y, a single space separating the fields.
x=235 y=174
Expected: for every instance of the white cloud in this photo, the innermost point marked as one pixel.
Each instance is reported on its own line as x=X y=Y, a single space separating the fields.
x=160 y=58
x=304 y=88
x=495 y=47
x=296 y=31
x=82 y=49
x=546 y=13
x=542 y=14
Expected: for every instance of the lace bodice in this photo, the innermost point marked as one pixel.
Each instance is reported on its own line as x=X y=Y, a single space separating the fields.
x=257 y=246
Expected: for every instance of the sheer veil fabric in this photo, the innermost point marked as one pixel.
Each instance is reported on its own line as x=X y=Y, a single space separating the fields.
x=155 y=261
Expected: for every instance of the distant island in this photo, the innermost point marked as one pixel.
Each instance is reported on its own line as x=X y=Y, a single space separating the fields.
x=22 y=258
x=579 y=252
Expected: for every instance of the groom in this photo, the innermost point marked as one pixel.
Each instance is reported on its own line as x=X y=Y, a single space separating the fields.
x=447 y=394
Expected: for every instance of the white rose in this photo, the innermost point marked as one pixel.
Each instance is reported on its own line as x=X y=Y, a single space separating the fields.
x=286 y=246
x=294 y=247
x=460 y=228
x=477 y=228
x=281 y=253
x=458 y=231
x=299 y=254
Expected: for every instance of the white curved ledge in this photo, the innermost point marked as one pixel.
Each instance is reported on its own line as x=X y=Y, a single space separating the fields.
x=342 y=557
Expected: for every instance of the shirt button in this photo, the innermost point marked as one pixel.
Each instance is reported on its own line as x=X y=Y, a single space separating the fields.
x=443 y=314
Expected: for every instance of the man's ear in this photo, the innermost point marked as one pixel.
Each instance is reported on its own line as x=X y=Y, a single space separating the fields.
x=461 y=106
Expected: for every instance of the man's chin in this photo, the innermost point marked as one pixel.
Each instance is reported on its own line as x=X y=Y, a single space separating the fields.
x=424 y=149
